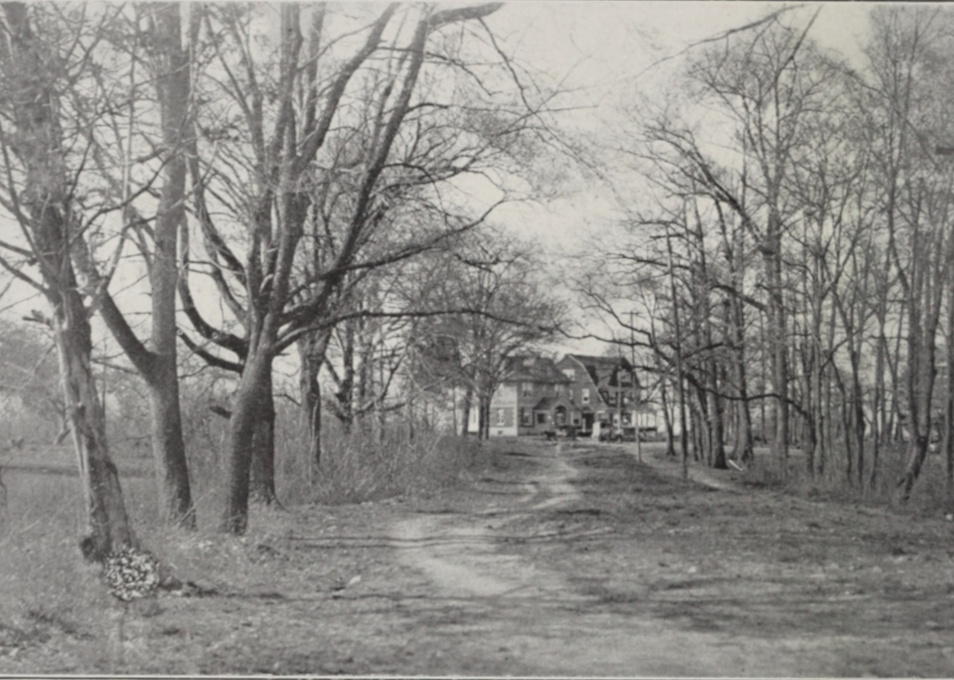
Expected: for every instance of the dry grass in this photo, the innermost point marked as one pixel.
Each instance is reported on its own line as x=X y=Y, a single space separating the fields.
x=928 y=498
x=48 y=594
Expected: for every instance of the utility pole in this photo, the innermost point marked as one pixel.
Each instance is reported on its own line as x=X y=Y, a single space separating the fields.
x=636 y=400
x=683 y=430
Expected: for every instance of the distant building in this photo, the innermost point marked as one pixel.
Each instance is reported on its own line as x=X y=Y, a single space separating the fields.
x=538 y=395
x=531 y=398
x=605 y=389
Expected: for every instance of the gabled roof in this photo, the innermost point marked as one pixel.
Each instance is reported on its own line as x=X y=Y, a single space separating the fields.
x=532 y=368
x=603 y=370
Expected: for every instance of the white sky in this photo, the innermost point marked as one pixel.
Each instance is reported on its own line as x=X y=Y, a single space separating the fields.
x=603 y=52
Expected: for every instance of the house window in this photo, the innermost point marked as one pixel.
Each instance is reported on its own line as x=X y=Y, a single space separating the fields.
x=585 y=395
x=526 y=389
x=541 y=418
x=525 y=417
x=501 y=416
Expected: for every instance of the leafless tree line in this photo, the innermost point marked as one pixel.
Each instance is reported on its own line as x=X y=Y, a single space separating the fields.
x=791 y=262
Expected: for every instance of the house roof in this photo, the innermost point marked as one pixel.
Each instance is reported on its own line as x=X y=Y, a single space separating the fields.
x=532 y=368
x=604 y=371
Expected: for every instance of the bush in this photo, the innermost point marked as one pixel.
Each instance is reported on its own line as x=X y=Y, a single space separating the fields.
x=365 y=465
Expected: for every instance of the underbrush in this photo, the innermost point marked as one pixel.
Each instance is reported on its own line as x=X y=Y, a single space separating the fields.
x=51 y=598
x=928 y=497
x=365 y=465
x=362 y=465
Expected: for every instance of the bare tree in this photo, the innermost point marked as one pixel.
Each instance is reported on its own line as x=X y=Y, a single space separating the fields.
x=41 y=182
x=317 y=203
x=503 y=313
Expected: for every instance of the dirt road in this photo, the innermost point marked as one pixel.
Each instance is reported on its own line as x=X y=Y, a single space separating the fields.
x=552 y=578
x=533 y=612
x=570 y=559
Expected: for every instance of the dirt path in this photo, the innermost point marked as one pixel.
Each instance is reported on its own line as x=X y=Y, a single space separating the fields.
x=462 y=559
x=536 y=611
x=578 y=616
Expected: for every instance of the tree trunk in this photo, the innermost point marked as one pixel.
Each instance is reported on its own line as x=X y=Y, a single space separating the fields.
x=468 y=404
x=312 y=350
x=677 y=343
x=483 y=417
x=262 y=480
x=667 y=414
x=109 y=528
x=744 y=446
x=159 y=366
x=250 y=400
x=48 y=204
x=168 y=446
x=174 y=90
x=777 y=343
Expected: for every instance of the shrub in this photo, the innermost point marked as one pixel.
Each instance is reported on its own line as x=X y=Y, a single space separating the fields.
x=364 y=464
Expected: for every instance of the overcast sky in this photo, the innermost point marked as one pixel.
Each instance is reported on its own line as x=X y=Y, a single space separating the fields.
x=608 y=53
x=604 y=52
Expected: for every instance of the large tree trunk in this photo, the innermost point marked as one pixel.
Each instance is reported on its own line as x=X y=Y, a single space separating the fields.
x=777 y=343
x=251 y=399
x=109 y=529
x=168 y=447
x=47 y=202
x=159 y=366
x=174 y=89
x=262 y=478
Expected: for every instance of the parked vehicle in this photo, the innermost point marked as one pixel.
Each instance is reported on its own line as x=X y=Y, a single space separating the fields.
x=626 y=433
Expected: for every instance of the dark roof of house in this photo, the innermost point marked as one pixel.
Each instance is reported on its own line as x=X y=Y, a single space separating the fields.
x=603 y=370
x=532 y=368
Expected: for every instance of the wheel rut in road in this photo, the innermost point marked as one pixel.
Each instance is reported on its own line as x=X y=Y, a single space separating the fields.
x=462 y=559
x=499 y=600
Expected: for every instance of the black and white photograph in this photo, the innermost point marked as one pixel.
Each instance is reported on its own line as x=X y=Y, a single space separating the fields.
x=532 y=339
